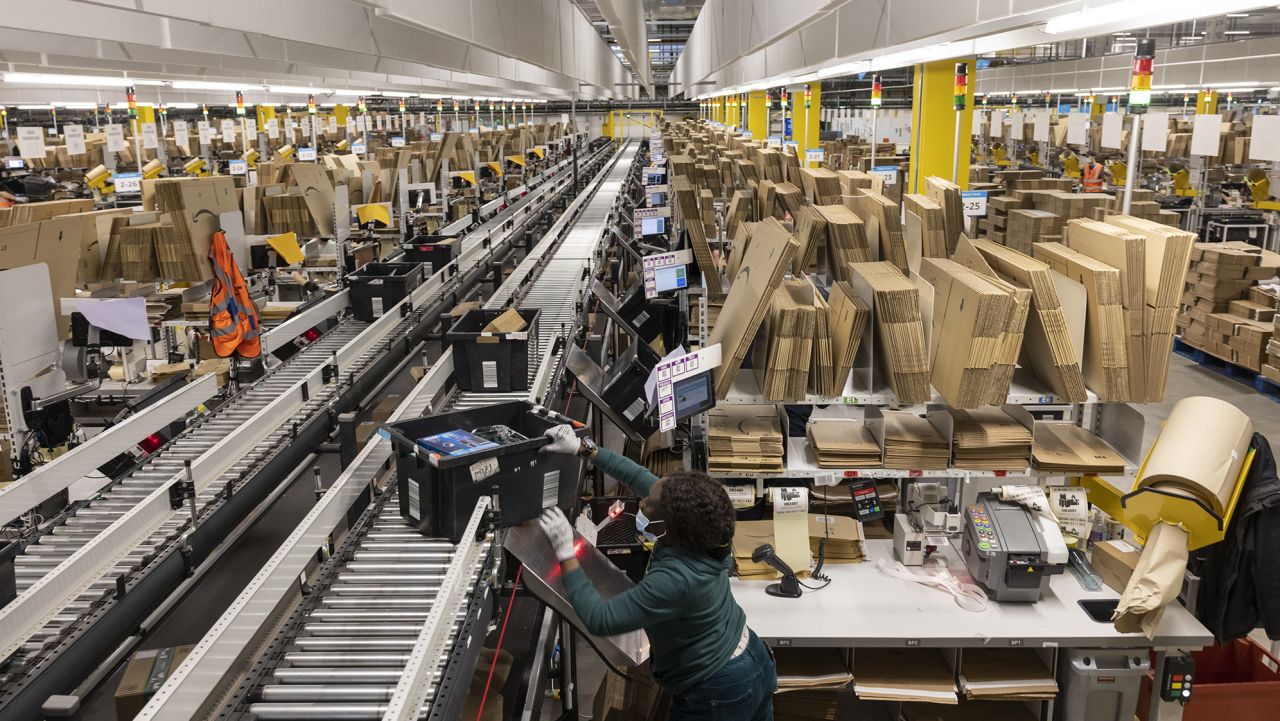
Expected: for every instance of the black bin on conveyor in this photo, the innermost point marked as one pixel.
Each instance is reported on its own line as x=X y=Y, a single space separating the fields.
x=494 y=362
x=437 y=493
x=437 y=250
x=377 y=287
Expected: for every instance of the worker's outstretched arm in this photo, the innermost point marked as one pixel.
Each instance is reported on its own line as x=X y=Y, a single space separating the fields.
x=658 y=597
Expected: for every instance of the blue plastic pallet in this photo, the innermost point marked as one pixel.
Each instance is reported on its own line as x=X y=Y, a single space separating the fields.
x=1239 y=373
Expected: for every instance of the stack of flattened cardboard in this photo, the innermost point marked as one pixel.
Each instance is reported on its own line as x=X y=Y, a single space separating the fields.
x=1222 y=273
x=766 y=198
x=807 y=705
x=1046 y=349
x=1068 y=448
x=839 y=538
x=811 y=668
x=821 y=186
x=1006 y=674
x=739 y=210
x=932 y=220
x=947 y=194
x=846 y=322
x=914 y=442
x=766 y=260
x=846 y=239
x=971 y=315
x=903 y=674
x=1025 y=226
x=789 y=199
x=782 y=362
x=1106 y=361
x=1126 y=252
x=988 y=439
x=842 y=443
x=744 y=439
x=821 y=371
x=811 y=233
x=884 y=225
x=900 y=329
x=1168 y=255
x=686 y=203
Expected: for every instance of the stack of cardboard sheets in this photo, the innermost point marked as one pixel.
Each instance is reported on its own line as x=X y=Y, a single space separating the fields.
x=1006 y=674
x=1106 y=360
x=782 y=362
x=947 y=194
x=1026 y=226
x=884 y=225
x=821 y=186
x=744 y=439
x=988 y=439
x=811 y=668
x=811 y=234
x=806 y=705
x=1067 y=448
x=845 y=239
x=903 y=674
x=686 y=203
x=1047 y=347
x=900 y=329
x=913 y=442
x=931 y=217
x=839 y=538
x=842 y=443
x=847 y=317
x=789 y=199
x=1223 y=273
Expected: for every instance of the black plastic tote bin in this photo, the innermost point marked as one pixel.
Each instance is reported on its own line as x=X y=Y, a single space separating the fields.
x=377 y=287
x=437 y=494
x=437 y=250
x=489 y=362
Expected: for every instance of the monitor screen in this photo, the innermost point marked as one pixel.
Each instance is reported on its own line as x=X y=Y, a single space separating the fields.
x=655 y=176
x=657 y=199
x=653 y=226
x=672 y=277
x=693 y=395
x=14 y=163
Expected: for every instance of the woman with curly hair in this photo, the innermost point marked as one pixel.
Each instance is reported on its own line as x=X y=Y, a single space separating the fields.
x=701 y=648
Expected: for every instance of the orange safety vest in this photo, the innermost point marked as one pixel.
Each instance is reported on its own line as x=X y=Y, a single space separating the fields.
x=1091 y=178
x=233 y=319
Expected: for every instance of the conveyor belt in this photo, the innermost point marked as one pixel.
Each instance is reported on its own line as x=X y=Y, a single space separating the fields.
x=61 y=541
x=345 y=659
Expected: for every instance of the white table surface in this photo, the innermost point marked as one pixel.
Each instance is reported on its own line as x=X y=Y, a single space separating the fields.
x=863 y=607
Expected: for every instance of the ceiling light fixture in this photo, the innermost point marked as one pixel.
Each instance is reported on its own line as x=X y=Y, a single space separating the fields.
x=1146 y=12
x=208 y=85
x=56 y=79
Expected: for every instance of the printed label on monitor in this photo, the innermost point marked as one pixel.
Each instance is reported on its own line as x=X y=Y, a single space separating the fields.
x=414 y=500
x=483 y=469
x=489 y=371
x=550 y=488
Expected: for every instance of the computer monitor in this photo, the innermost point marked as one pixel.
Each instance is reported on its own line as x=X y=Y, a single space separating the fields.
x=653 y=226
x=15 y=163
x=693 y=395
x=672 y=277
x=655 y=176
x=657 y=200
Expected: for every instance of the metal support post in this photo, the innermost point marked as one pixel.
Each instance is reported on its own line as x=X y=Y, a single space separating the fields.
x=955 y=150
x=1131 y=173
x=573 y=123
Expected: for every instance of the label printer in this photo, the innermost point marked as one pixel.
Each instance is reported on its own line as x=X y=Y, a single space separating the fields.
x=1009 y=550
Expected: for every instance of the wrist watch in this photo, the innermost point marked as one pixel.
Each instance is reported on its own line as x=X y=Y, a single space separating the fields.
x=587 y=449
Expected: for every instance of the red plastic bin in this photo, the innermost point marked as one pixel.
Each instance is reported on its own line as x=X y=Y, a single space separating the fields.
x=1233 y=681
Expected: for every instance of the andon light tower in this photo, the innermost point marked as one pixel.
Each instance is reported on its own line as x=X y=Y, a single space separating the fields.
x=876 y=90
x=958 y=101
x=1139 y=100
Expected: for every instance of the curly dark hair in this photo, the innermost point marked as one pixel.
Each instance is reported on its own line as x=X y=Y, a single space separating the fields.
x=698 y=513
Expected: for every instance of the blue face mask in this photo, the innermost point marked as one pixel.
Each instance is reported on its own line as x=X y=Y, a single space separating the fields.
x=642 y=525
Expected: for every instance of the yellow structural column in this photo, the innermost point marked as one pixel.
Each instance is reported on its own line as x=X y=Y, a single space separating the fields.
x=265 y=113
x=341 y=112
x=758 y=115
x=1206 y=102
x=812 y=115
x=606 y=129
x=933 y=123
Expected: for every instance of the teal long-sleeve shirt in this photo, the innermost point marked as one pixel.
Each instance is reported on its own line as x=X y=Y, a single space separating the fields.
x=683 y=603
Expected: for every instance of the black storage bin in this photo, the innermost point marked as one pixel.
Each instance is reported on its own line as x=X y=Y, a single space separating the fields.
x=437 y=494
x=437 y=250
x=8 y=577
x=496 y=363
x=378 y=286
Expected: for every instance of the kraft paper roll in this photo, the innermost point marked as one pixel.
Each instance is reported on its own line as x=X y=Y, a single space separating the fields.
x=1200 y=450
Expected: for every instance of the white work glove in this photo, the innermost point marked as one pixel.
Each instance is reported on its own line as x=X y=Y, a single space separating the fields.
x=558 y=532
x=563 y=440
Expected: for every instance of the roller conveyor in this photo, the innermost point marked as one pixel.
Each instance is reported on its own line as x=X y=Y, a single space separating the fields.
x=347 y=650
x=350 y=340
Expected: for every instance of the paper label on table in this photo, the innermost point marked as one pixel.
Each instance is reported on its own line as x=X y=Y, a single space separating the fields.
x=1155 y=131
x=228 y=131
x=237 y=167
x=180 y=135
x=115 y=138
x=888 y=174
x=125 y=316
x=286 y=246
x=74 y=136
x=251 y=127
x=306 y=154
x=204 y=131
x=974 y=203
x=31 y=142
x=741 y=496
x=127 y=182
x=149 y=139
x=1206 y=134
x=791 y=526
x=273 y=128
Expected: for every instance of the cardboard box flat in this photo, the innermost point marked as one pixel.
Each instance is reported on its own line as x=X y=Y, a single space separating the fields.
x=1115 y=561
x=143 y=676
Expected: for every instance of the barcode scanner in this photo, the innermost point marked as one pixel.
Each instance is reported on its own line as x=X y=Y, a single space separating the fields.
x=789 y=587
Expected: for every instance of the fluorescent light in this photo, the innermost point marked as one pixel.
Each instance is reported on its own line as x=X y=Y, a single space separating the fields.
x=77 y=106
x=393 y=94
x=184 y=106
x=352 y=93
x=1191 y=38
x=1147 y=12
x=1237 y=15
x=1235 y=32
x=207 y=85
x=35 y=107
x=297 y=90
x=1065 y=91
x=831 y=71
x=56 y=79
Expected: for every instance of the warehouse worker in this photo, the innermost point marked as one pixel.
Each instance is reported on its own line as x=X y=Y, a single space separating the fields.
x=702 y=651
x=1091 y=174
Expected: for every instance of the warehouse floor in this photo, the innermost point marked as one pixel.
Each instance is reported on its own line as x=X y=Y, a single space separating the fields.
x=1186 y=378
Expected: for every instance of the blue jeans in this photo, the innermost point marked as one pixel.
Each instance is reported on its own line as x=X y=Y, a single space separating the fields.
x=741 y=691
